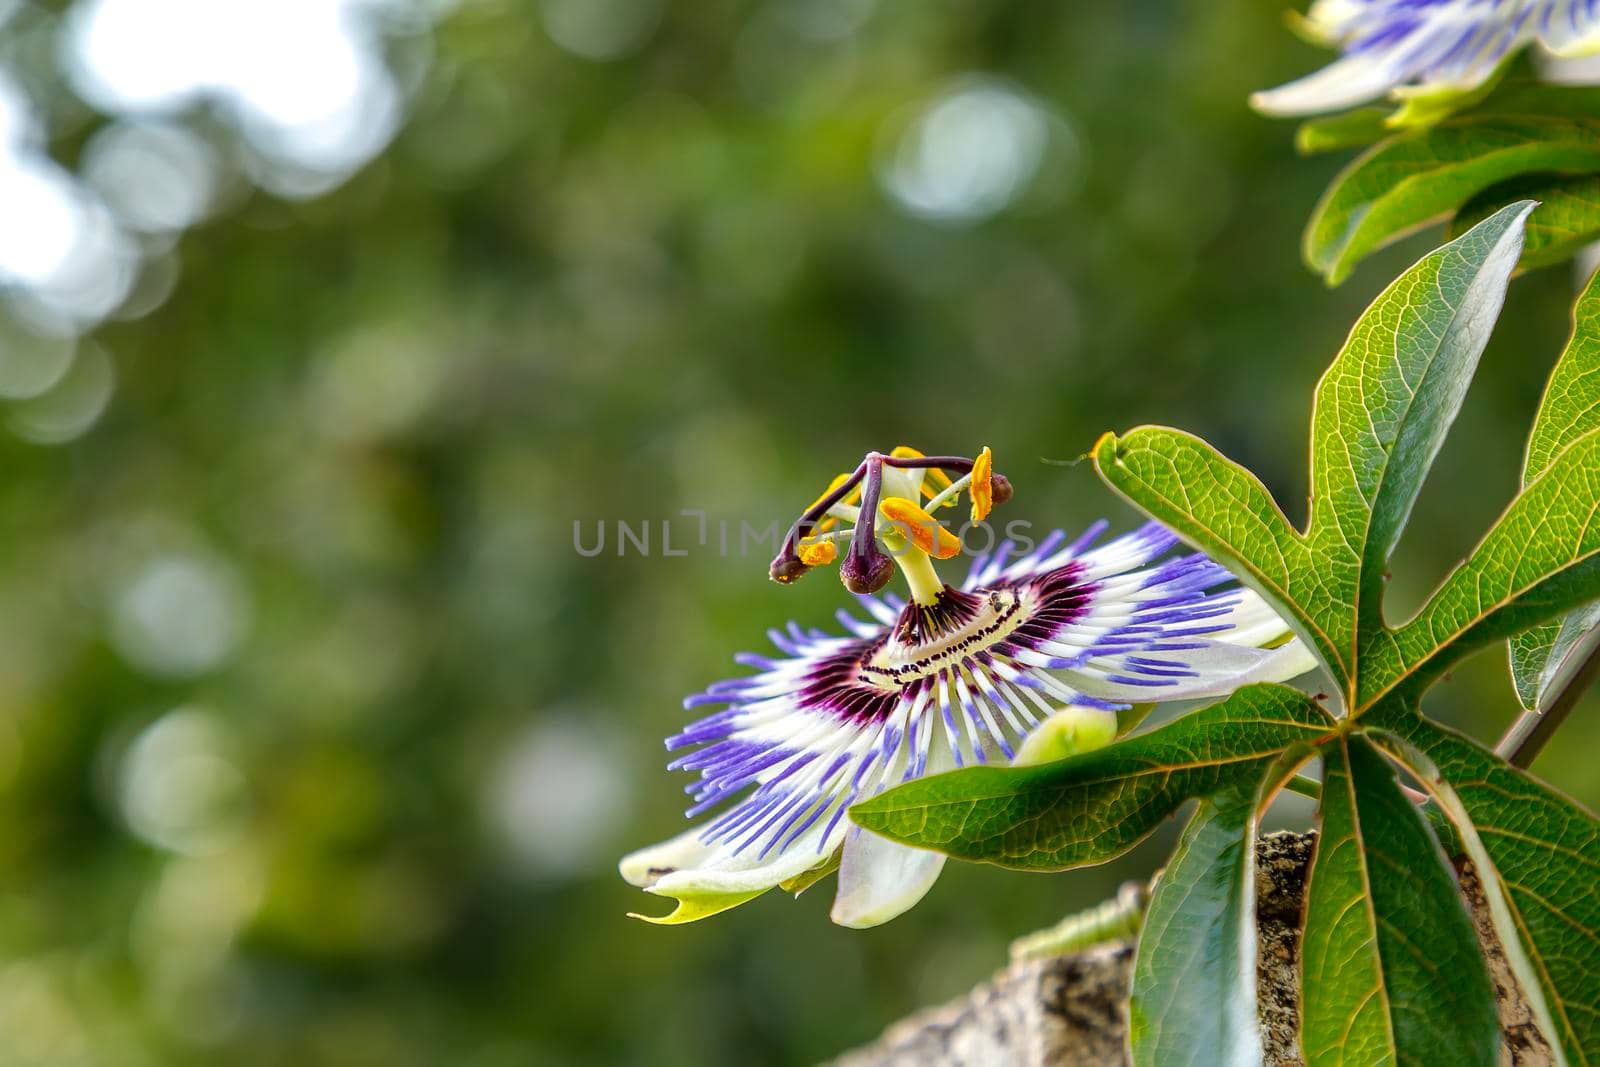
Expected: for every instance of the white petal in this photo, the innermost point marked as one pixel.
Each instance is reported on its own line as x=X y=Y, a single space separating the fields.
x=745 y=873
x=1289 y=660
x=1328 y=20
x=644 y=867
x=1575 y=45
x=879 y=879
x=1341 y=84
x=1220 y=668
x=1253 y=620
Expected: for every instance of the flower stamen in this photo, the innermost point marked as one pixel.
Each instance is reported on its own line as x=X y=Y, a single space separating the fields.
x=817 y=553
x=862 y=496
x=982 y=485
x=921 y=529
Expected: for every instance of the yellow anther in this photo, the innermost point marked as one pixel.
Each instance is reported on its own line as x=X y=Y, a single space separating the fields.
x=851 y=497
x=982 y=487
x=923 y=529
x=935 y=480
x=816 y=553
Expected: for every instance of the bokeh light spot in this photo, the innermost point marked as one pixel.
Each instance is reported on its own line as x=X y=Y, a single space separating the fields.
x=303 y=78
x=72 y=405
x=177 y=788
x=377 y=381
x=969 y=154
x=179 y=616
x=157 y=176
x=31 y=359
x=600 y=29
x=558 y=795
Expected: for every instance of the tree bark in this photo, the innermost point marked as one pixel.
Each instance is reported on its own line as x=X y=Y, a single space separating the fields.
x=1071 y=1009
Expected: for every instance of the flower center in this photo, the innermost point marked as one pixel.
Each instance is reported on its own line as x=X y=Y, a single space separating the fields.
x=935 y=637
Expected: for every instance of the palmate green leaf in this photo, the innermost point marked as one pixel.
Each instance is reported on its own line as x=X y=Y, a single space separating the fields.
x=1567 y=218
x=1542 y=854
x=1200 y=933
x=1570 y=408
x=1389 y=952
x=1382 y=410
x=1419 y=177
x=1093 y=807
x=1386 y=403
x=1381 y=414
x=1540 y=559
x=1223 y=509
x=1531 y=651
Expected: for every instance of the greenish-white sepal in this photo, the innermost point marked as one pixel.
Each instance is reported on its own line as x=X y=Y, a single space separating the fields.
x=645 y=867
x=692 y=907
x=801 y=882
x=1423 y=105
x=880 y=879
x=687 y=870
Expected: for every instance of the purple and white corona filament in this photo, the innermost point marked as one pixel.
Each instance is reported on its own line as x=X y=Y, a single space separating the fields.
x=1417 y=47
x=1031 y=656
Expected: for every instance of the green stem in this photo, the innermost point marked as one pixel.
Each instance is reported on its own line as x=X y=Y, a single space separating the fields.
x=1116 y=919
x=1305 y=785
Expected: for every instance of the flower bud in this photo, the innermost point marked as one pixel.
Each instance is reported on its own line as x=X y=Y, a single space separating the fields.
x=1068 y=732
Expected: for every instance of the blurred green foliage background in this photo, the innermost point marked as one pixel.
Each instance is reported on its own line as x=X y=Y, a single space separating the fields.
x=319 y=740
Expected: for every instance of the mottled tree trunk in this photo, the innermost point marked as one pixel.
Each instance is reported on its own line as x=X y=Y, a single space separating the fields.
x=1072 y=1009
